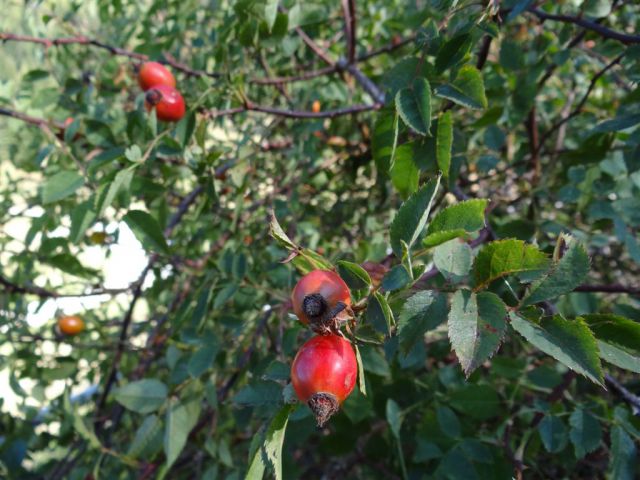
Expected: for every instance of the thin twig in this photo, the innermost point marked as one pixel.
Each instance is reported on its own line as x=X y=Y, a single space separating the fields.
x=175 y=219
x=613 y=288
x=623 y=393
x=589 y=25
x=82 y=40
x=38 y=122
x=576 y=111
x=317 y=49
x=11 y=287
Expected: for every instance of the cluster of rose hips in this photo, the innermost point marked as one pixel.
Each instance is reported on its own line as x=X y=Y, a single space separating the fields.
x=160 y=85
x=325 y=369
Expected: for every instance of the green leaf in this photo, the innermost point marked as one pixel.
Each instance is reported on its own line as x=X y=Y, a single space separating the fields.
x=455 y=221
x=448 y=422
x=404 y=174
x=147 y=230
x=354 y=275
x=60 y=186
x=412 y=216
x=623 y=455
x=597 y=8
x=70 y=264
x=618 y=339
x=374 y=362
x=414 y=106
x=568 y=341
x=585 y=432
x=444 y=142
x=308 y=260
x=79 y=423
x=476 y=327
x=147 y=435
x=438 y=238
x=379 y=313
x=362 y=384
x=279 y=235
x=505 y=257
x=224 y=295
x=383 y=140
x=274 y=439
x=394 y=417
x=616 y=124
x=394 y=146
x=143 y=396
x=257 y=465
x=270 y=12
x=259 y=393
x=453 y=259
x=519 y=7
x=180 y=418
x=467 y=89
x=121 y=180
x=202 y=359
x=563 y=277
x=477 y=401
x=453 y=51
x=422 y=312
x=553 y=433
x=82 y=217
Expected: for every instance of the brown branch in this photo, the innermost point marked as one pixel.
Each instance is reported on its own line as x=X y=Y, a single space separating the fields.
x=365 y=82
x=295 y=78
x=124 y=329
x=387 y=49
x=483 y=54
x=623 y=393
x=588 y=25
x=38 y=122
x=224 y=390
x=576 y=111
x=11 y=287
x=534 y=145
x=177 y=65
x=317 y=49
x=555 y=395
x=349 y=10
x=82 y=40
x=613 y=288
x=251 y=107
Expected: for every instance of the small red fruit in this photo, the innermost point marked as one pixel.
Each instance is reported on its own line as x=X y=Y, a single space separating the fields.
x=167 y=101
x=152 y=74
x=70 y=325
x=323 y=374
x=319 y=297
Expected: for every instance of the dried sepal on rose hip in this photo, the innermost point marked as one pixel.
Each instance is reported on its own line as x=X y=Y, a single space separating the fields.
x=323 y=374
x=167 y=101
x=322 y=301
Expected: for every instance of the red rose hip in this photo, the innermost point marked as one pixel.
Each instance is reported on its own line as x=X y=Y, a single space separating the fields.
x=323 y=374
x=152 y=74
x=167 y=101
x=318 y=298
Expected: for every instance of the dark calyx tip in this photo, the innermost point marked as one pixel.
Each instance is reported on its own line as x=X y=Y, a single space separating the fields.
x=314 y=305
x=323 y=405
x=153 y=96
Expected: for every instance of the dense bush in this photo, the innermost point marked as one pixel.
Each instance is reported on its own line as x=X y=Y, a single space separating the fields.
x=471 y=170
